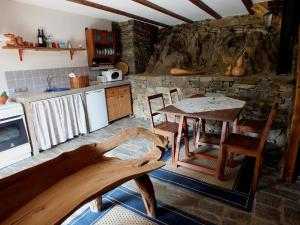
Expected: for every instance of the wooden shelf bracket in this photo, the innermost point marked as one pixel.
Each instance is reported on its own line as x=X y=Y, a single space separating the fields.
x=21 y=54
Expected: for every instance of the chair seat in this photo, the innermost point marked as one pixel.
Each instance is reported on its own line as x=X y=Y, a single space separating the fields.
x=255 y=126
x=169 y=127
x=242 y=144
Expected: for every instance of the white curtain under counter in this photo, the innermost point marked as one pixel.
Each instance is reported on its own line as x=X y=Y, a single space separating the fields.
x=56 y=120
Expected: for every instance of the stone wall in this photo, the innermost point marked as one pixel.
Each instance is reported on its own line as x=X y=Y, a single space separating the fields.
x=215 y=44
x=135 y=43
x=259 y=88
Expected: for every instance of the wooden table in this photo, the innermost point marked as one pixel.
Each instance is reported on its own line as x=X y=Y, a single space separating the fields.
x=225 y=116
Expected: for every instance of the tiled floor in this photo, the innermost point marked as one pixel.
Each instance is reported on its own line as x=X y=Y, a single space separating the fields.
x=275 y=204
x=96 y=136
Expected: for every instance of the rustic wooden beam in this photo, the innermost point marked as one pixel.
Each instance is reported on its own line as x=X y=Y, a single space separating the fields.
x=248 y=4
x=288 y=34
x=116 y=11
x=294 y=139
x=162 y=10
x=206 y=8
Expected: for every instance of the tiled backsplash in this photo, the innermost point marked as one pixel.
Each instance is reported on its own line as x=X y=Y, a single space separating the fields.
x=36 y=80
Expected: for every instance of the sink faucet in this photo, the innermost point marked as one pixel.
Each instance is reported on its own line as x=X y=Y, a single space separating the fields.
x=49 y=79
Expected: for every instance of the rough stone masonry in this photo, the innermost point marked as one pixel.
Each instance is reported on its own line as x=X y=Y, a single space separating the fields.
x=210 y=44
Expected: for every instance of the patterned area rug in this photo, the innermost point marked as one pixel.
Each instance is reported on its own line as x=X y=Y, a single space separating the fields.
x=235 y=190
x=124 y=206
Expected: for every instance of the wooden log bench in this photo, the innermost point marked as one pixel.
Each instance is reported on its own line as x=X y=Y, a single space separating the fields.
x=50 y=192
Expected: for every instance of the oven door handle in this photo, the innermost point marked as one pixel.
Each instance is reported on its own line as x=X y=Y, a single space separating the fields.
x=11 y=119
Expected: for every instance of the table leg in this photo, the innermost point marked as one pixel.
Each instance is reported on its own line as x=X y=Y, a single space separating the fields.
x=203 y=134
x=186 y=137
x=234 y=125
x=222 y=152
x=198 y=132
x=231 y=154
x=180 y=128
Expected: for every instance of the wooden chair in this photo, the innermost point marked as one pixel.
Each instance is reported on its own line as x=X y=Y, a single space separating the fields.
x=249 y=146
x=165 y=128
x=175 y=96
x=252 y=126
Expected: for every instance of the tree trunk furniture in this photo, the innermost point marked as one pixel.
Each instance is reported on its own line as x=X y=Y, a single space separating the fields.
x=118 y=101
x=51 y=191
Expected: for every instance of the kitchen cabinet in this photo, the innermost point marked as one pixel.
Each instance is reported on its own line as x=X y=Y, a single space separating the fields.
x=101 y=47
x=118 y=100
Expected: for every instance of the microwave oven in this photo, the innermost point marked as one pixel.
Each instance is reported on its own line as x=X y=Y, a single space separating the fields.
x=111 y=75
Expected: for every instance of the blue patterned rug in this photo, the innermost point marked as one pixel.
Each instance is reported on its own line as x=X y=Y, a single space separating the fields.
x=240 y=196
x=123 y=206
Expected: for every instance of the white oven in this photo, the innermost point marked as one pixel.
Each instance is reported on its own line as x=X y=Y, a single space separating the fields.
x=14 y=143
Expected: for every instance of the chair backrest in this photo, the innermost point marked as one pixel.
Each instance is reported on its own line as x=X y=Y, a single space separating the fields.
x=162 y=105
x=174 y=95
x=267 y=128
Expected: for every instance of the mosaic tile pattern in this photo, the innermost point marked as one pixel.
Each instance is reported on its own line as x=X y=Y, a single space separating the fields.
x=36 y=80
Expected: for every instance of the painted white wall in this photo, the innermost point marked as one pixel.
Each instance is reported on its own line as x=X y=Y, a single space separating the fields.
x=24 y=20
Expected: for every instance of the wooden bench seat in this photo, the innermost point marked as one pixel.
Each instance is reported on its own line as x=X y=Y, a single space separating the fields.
x=49 y=192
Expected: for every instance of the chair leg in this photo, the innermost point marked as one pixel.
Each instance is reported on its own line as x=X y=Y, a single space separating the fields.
x=186 y=138
x=235 y=126
x=256 y=174
x=173 y=143
x=203 y=122
x=194 y=132
x=197 y=138
x=222 y=162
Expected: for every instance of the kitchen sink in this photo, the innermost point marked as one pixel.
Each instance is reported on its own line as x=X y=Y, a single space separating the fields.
x=56 y=89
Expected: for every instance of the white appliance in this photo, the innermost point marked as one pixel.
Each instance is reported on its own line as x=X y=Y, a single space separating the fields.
x=14 y=143
x=111 y=75
x=96 y=109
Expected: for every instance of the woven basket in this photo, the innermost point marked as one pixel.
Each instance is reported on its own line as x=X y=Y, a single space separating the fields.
x=79 y=82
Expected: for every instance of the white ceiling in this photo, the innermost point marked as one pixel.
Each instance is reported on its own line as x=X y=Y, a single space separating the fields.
x=182 y=7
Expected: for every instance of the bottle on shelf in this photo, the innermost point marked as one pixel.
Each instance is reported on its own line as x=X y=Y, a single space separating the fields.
x=40 y=38
x=49 y=42
x=43 y=38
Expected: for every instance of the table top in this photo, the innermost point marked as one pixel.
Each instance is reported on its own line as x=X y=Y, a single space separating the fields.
x=228 y=115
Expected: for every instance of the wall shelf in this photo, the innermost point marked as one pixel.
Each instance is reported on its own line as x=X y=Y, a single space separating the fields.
x=21 y=49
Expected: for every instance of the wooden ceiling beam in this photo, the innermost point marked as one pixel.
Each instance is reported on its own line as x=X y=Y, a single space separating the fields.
x=116 y=11
x=162 y=10
x=206 y=8
x=248 y=4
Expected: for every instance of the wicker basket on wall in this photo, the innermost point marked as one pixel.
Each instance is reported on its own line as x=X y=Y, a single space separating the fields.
x=79 y=82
